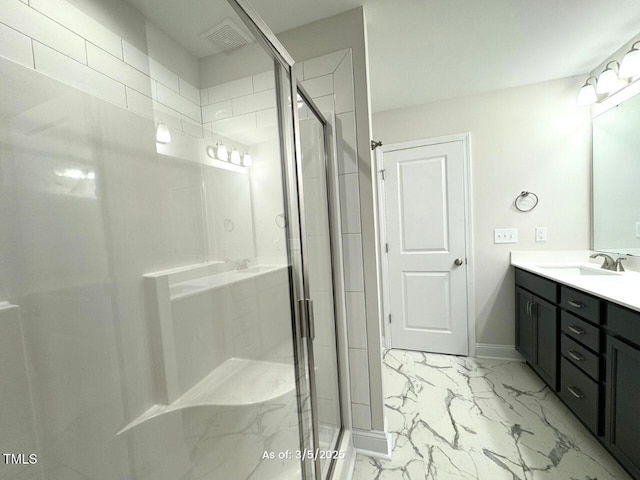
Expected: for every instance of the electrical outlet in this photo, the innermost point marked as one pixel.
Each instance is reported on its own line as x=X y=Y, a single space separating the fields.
x=505 y=235
x=541 y=234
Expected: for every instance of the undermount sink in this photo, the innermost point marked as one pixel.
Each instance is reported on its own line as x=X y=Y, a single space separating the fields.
x=576 y=270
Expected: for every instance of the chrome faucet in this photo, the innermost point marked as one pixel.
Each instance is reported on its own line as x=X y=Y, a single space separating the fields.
x=618 y=265
x=608 y=264
x=241 y=264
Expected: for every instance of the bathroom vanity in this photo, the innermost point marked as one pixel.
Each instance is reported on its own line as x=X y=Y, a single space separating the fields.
x=578 y=326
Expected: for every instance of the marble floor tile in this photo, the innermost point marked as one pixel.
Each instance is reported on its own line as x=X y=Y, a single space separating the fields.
x=466 y=418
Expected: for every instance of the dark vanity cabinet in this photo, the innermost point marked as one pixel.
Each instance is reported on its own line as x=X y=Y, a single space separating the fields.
x=537 y=324
x=588 y=351
x=622 y=419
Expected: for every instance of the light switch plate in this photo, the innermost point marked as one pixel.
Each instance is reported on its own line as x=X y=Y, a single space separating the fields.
x=541 y=234
x=505 y=235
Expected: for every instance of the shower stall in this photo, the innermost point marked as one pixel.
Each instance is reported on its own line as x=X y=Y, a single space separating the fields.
x=168 y=299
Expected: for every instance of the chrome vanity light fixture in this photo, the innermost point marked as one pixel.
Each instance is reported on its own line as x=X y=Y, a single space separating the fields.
x=163 y=134
x=221 y=152
x=235 y=156
x=630 y=66
x=608 y=80
x=247 y=161
x=587 y=94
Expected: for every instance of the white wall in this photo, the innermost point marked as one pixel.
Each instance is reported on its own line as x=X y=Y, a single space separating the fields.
x=527 y=138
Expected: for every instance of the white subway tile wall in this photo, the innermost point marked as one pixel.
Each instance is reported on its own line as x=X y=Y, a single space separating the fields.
x=115 y=68
x=229 y=90
x=320 y=66
x=361 y=416
x=264 y=81
x=32 y=23
x=63 y=68
x=61 y=41
x=356 y=325
x=350 y=217
x=329 y=81
x=81 y=24
x=16 y=46
x=135 y=57
x=359 y=374
x=217 y=111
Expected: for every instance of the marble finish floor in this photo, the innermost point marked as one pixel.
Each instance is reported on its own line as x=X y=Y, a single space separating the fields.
x=467 y=418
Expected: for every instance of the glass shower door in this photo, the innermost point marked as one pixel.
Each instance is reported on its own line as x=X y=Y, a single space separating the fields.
x=148 y=279
x=318 y=258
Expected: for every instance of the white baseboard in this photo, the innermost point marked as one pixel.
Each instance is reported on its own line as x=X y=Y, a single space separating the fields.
x=374 y=443
x=498 y=352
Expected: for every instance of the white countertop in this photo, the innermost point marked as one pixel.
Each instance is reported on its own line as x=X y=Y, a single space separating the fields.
x=622 y=288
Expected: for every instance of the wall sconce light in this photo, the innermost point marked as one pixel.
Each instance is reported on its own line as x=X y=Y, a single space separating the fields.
x=235 y=156
x=247 y=161
x=630 y=66
x=221 y=152
x=608 y=79
x=587 y=94
x=163 y=135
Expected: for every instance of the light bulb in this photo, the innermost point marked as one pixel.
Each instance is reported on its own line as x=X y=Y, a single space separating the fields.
x=221 y=152
x=587 y=94
x=163 y=135
x=608 y=80
x=235 y=156
x=211 y=151
x=247 y=161
x=630 y=66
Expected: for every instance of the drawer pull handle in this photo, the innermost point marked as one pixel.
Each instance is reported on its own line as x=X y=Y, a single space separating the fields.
x=575 y=304
x=576 y=330
x=575 y=392
x=576 y=356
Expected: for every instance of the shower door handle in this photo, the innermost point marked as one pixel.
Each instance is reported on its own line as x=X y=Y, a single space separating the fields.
x=312 y=321
x=307 y=323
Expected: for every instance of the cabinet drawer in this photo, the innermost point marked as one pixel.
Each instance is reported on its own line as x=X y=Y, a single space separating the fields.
x=581 y=331
x=580 y=303
x=581 y=357
x=540 y=286
x=580 y=393
x=623 y=323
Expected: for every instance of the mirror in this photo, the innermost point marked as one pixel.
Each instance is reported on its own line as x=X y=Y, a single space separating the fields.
x=616 y=177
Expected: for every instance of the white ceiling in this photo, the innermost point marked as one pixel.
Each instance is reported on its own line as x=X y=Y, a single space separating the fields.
x=431 y=50
x=422 y=51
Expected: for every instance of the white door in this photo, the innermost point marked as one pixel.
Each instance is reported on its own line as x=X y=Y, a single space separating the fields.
x=424 y=192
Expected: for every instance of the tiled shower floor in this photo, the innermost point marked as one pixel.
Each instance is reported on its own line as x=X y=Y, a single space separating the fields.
x=465 y=418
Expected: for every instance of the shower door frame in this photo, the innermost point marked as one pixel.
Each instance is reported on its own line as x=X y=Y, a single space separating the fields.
x=302 y=316
x=298 y=89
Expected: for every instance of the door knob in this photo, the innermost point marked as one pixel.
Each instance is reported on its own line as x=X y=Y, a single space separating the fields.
x=458 y=261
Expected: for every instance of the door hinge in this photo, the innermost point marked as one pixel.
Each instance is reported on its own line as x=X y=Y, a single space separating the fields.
x=382 y=173
x=386 y=248
x=389 y=318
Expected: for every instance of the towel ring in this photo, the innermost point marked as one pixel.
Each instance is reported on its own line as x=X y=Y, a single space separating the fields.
x=524 y=194
x=281 y=220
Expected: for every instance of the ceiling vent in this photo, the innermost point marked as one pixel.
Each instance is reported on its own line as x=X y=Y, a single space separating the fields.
x=227 y=37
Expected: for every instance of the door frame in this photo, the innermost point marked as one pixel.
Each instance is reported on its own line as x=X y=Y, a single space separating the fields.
x=465 y=138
